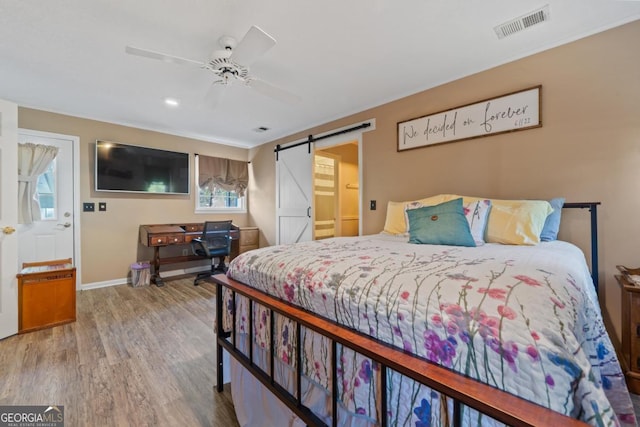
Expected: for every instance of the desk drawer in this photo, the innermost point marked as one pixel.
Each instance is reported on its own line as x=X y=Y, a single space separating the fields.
x=249 y=236
x=174 y=239
x=190 y=236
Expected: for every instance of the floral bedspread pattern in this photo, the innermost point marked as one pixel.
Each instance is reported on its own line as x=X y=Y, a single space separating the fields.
x=523 y=319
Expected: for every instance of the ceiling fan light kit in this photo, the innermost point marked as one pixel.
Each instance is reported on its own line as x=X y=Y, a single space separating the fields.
x=227 y=69
x=230 y=63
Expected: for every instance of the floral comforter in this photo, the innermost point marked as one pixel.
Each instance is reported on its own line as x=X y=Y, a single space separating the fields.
x=524 y=319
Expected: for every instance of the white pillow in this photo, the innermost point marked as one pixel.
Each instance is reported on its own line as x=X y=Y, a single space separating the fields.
x=477 y=213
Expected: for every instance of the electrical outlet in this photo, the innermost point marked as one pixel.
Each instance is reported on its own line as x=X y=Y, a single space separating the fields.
x=88 y=207
x=102 y=206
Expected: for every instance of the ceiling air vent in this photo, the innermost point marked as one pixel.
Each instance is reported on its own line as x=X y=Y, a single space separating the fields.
x=523 y=22
x=261 y=129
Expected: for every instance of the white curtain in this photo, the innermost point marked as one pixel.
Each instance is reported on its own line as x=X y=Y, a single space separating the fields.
x=229 y=175
x=33 y=160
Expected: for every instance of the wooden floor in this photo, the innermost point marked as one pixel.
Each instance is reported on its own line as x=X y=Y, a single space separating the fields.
x=134 y=357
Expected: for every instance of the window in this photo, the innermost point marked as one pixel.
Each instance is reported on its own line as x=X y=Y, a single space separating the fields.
x=219 y=199
x=220 y=184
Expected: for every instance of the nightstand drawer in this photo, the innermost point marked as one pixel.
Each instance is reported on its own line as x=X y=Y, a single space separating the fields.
x=630 y=333
x=634 y=330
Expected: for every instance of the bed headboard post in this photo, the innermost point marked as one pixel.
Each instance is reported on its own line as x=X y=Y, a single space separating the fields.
x=593 y=208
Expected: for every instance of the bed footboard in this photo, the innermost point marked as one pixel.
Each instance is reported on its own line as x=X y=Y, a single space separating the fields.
x=463 y=391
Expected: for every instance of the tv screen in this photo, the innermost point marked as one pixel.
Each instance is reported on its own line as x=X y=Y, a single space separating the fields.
x=131 y=168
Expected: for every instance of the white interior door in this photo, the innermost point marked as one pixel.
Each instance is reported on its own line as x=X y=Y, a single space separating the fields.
x=53 y=236
x=294 y=193
x=8 y=218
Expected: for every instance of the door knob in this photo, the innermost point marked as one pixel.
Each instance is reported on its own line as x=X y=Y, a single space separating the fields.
x=8 y=230
x=66 y=224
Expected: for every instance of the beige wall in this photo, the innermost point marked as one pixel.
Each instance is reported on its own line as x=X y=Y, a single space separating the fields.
x=109 y=239
x=588 y=148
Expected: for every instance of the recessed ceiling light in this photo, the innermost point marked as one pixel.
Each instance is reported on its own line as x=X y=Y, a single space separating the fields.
x=171 y=102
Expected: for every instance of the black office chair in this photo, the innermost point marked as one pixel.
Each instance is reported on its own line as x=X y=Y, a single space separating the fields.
x=215 y=242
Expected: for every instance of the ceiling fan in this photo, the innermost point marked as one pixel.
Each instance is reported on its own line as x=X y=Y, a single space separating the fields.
x=230 y=64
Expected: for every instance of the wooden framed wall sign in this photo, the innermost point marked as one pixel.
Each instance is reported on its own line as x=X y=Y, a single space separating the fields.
x=508 y=113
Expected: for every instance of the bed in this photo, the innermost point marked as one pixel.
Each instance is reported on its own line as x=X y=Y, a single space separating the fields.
x=381 y=331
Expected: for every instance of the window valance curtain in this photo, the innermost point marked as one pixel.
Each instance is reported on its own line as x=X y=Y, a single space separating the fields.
x=227 y=174
x=33 y=160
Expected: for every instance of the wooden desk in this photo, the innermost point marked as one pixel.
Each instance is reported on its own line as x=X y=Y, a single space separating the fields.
x=157 y=236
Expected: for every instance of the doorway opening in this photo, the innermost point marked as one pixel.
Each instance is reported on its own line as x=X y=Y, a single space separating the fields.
x=336 y=190
x=296 y=202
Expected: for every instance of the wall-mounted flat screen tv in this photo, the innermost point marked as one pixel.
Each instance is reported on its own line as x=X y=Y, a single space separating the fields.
x=131 y=168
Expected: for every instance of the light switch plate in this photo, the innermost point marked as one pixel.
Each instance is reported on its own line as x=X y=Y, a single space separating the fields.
x=102 y=206
x=88 y=207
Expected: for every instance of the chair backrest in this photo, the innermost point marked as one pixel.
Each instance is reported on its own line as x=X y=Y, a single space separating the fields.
x=217 y=234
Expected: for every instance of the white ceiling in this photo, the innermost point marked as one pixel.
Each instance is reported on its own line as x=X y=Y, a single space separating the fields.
x=338 y=56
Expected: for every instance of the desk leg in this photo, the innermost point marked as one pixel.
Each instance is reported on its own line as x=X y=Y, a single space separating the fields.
x=155 y=278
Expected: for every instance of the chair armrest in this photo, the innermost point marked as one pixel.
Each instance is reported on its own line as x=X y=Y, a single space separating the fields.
x=198 y=244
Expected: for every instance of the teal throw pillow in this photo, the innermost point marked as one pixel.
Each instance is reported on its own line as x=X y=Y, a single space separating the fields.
x=443 y=224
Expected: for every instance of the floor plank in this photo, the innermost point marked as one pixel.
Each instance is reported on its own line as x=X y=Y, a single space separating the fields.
x=134 y=357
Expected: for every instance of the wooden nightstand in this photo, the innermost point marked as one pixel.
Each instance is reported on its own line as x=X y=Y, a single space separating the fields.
x=630 y=332
x=248 y=239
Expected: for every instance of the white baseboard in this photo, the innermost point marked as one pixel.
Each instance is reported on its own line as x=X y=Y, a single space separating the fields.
x=181 y=271
x=126 y=280
x=96 y=285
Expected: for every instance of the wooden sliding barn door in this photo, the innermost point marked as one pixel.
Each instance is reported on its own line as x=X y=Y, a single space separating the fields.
x=294 y=194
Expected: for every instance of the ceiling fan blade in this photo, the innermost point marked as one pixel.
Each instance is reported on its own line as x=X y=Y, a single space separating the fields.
x=214 y=95
x=252 y=46
x=273 y=92
x=161 y=56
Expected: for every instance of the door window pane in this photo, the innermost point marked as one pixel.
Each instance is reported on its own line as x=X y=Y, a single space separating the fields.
x=46 y=192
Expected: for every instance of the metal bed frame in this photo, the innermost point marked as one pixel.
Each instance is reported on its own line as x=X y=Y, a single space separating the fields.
x=495 y=403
